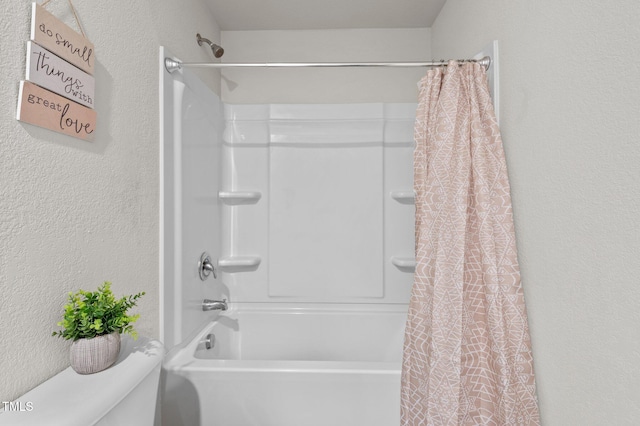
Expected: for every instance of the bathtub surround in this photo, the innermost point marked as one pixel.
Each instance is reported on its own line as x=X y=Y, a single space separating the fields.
x=304 y=207
x=317 y=295
x=326 y=174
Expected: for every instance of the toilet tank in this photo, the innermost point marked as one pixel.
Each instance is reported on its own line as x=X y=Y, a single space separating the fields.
x=124 y=394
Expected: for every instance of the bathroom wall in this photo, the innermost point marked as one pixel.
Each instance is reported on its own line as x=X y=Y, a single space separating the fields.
x=72 y=213
x=336 y=85
x=570 y=102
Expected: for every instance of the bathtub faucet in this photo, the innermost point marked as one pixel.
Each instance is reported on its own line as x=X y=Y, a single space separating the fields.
x=214 y=305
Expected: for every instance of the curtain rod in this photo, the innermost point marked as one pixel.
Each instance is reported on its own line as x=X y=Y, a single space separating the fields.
x=172 y=65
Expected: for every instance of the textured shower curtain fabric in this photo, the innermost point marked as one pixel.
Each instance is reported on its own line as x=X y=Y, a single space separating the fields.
x=467 y=352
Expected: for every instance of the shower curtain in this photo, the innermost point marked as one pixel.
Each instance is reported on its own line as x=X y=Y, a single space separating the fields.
x=467 y=353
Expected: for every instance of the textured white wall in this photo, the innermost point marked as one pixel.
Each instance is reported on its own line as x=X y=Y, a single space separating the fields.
x=74 y=213
x=570 y=108
x=312 y=85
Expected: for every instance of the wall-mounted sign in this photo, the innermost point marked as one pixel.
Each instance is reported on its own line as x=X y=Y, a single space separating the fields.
x=50 y=72
x=46 y=109
x=55 y=36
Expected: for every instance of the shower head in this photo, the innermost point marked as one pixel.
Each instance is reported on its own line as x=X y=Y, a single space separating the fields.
x=217 y=50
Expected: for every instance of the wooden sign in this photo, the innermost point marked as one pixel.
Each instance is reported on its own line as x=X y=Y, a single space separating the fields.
x=51 y=72
x=55 y=36
x=46 y=109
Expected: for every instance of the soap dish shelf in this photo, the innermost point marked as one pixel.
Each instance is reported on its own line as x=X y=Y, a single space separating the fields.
x=404 y=197
x=405 y=264
x=234 y=198
x=239 y=263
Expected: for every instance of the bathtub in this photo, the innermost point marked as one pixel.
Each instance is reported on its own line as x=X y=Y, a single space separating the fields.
x=335 y=365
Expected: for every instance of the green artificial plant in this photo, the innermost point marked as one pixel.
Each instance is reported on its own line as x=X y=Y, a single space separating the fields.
x=89 y=314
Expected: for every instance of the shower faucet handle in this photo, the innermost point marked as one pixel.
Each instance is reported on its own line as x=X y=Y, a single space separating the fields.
x=206 y=267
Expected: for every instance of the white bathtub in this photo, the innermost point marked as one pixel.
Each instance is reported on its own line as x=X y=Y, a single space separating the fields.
x=335 y=365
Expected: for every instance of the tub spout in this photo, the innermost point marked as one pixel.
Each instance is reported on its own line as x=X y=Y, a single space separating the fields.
x=214 y=305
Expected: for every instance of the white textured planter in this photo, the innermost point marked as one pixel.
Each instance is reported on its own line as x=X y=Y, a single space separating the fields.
x=93 y=355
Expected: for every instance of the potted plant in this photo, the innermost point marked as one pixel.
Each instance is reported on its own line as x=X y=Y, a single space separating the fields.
x=94 y=321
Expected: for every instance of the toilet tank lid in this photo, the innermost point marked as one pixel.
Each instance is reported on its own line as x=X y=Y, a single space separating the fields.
x=71 y=399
